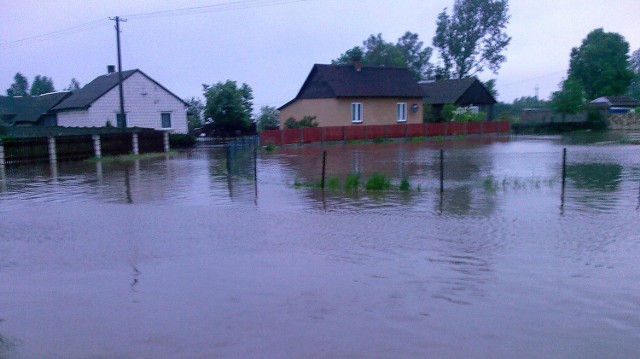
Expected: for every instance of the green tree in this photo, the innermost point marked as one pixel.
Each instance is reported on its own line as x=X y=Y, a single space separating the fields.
x=601 y=64
x=74 y=85
x=41 y=85
x=228 y=106
x=195 y=111
x=634 y=65
x=407 y=52
x=569 y=99
x=634 y=62
x=268 y=119
x=472 y=37
x=490 y=85
x=20 y=86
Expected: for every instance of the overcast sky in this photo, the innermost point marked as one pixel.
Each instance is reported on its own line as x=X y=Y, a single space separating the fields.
x=272 y=44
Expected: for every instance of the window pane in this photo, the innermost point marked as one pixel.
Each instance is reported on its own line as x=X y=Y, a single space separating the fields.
x=166 y=120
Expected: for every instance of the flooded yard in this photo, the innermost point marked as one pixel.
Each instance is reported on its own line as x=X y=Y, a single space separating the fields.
x=192 y=256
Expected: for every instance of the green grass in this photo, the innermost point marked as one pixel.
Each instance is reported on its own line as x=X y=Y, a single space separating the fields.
x=333 y=183
x=404 y=184
x=377 y=182
x=352 y=182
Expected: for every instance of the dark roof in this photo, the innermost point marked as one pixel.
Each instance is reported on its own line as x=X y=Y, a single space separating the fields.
x=617 y=101
x=330 y=81
x=29 y=108
x=451 y=91
x=83 y=98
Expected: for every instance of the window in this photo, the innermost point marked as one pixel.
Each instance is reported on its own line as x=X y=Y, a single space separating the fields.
x=166 y=120
x=401 y=112
x=356 y=112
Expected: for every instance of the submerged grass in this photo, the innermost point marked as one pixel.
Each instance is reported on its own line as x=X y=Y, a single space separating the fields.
x=128 y=158
x=492 y=184
x=352 y=183
x=377 y=182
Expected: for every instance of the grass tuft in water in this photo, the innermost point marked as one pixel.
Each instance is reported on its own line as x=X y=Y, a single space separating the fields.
x=404 y=184
x=377 y=182
x=352 y=182
x=333 y=183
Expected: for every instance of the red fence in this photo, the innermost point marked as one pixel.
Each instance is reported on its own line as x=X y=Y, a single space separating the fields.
x=350 y=133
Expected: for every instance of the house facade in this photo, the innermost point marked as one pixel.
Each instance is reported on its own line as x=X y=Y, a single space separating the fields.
x=353 y=95
x=147 y=104
x=467 y=92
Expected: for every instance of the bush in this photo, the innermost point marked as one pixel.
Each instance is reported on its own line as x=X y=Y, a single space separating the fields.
x=447 y=111
x=377 y=182
x=307 y=121
x=352 y=182
x=333 y=183
x=404 y=184
x=466 y=114
x=178 y=140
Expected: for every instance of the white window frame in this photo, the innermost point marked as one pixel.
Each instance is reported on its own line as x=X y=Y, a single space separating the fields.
x=401 y=112
x=357 y=112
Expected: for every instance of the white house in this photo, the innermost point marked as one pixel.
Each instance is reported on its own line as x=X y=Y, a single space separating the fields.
x=147 y=104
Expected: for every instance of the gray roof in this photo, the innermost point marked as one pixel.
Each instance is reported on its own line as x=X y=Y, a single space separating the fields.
x=451 y=91
x=83 y=98
x=617 y=101
x=29 y=108
x=331 y=81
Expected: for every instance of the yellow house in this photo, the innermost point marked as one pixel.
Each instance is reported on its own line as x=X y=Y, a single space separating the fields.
x=354 y=95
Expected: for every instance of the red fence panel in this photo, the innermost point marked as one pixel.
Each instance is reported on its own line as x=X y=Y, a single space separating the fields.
x=354 y=133
x=396 y=131
x=474 y=128
x=311 y=134
x=290 y=136
x=333 y=133
x=436 y=129
x=375 y=131
x=490 y=127
x=456 y=128
x=416 y=130
x=503 y=126
x=270 y=137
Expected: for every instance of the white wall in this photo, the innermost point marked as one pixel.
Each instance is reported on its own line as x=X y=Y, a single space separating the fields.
x=144 y=101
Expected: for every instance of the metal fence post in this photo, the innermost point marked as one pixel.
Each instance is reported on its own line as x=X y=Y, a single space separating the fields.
x=441 y=170
x=324 y=168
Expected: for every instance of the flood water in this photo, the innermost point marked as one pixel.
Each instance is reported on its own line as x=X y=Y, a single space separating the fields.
x=188 y=256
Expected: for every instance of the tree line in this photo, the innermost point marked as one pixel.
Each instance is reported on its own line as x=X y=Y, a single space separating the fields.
x=40 y=86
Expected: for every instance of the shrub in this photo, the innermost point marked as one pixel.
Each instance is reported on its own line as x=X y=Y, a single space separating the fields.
x=179 y=140
x=333 y=183
x=377 y=182
x=307 y=121
x=447 y=111
x=352 y=182
x=466 y=114
x=404 y=184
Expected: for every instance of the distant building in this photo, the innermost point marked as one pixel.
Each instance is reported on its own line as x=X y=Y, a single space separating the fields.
x=615 y=104
x=147 y=104
x=353 y=95
x=29 y=111
x=467 y=92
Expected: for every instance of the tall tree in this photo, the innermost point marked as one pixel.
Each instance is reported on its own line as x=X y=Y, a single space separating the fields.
x=472 y=37
x=569 y=99
x=41 y=85
x=268 y=118
x=195 y=111
x=407 y=52
x=601 y=64
x=74 y=85
x=229 y=107
x=634 y=62
x=20 y=86
x=634 y=86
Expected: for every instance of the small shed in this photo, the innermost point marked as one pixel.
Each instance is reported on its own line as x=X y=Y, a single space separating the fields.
x=467 y=92
x=615 y=104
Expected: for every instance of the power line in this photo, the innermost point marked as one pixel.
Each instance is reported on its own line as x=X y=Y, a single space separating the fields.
x=219 y=7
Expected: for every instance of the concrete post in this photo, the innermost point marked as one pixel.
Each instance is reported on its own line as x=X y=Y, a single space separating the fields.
x=1 y=154
x=165 y=140
x=52 y=149
x=134 y=142
x=97 y=148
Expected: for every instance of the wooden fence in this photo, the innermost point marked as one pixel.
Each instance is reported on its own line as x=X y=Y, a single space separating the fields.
x=351 y=133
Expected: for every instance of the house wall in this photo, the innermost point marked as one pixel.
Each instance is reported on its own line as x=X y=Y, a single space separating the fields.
x=144 y=101
x=337 y=112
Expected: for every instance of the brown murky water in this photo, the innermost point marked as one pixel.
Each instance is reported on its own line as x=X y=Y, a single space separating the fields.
x=185 y=257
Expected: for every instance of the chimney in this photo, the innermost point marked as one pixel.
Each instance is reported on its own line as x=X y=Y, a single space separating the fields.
x=111 y=69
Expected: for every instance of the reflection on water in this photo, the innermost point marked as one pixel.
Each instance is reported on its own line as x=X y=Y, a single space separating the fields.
x=192 y=256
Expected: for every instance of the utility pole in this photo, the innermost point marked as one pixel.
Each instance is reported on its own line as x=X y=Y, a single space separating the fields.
x=537 y=88
x=123 y=116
